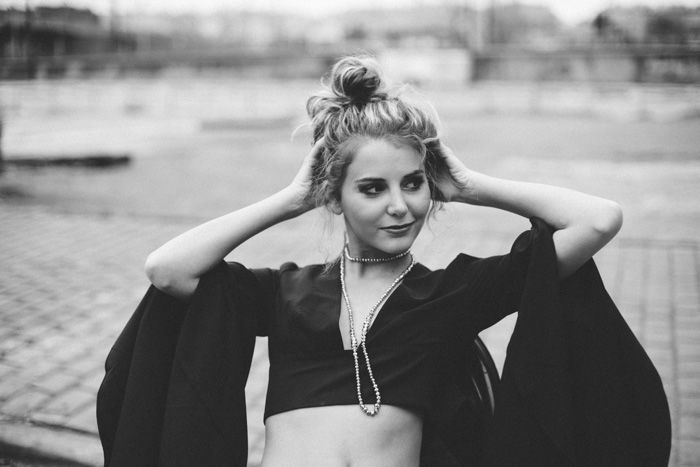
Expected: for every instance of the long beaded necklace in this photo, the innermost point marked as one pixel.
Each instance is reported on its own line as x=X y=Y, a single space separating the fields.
x=374 y=409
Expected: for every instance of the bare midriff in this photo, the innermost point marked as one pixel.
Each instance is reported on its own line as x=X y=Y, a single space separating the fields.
x=343 y=436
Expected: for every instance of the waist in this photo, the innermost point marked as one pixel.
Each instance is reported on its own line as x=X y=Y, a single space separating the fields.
x=341 y=435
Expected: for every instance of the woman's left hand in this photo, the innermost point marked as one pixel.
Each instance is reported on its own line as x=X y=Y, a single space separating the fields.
x=454 y=179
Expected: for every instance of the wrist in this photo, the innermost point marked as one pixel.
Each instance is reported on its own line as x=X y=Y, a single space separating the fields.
x=471 y=187
x=295 y=200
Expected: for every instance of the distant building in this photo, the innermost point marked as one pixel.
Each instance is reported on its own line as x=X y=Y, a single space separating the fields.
x=523 y=25
x=621 y=25
x=56 y=31
x=447 y=26
x=644 y=25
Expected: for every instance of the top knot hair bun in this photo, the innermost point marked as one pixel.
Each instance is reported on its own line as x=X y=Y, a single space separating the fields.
x=358 y=79
x=355 y=104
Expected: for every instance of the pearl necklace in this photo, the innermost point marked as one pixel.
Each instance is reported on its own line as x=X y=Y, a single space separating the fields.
x=374 y=409
x=355 y=259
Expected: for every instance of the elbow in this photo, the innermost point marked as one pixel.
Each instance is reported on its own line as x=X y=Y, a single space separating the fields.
x=156 y=272
x=608 y=221
x=167 y=280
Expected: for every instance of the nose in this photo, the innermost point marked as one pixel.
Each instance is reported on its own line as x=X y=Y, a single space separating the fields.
x=397 y=205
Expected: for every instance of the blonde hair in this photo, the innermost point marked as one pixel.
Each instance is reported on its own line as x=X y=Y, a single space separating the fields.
x=356 y=104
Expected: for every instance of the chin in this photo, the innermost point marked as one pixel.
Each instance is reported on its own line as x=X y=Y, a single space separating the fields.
x=397 y=245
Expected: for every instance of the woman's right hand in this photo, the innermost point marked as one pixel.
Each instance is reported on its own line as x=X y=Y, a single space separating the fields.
x=175 y=267
x=301 y=186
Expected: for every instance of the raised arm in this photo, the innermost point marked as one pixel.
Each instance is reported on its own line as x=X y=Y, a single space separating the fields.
x=583 y=223
x=175 y=267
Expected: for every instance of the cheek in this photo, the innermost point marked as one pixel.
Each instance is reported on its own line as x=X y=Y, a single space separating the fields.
x=370 y=212
x=360 y=210
x=420 y=205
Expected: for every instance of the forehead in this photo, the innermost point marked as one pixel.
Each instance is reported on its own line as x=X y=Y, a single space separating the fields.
x=383 y=159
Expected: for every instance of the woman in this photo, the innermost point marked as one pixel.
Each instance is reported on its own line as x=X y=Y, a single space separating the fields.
x=373 y=328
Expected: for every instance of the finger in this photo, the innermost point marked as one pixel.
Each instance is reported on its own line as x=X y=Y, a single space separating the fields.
x=319 y=144
x=315 y=157
x=446 y=152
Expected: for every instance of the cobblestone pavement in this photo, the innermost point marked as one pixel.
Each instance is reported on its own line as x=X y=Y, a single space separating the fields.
x=69 y=282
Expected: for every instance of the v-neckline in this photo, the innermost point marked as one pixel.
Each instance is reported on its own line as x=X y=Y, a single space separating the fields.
x=339 y=302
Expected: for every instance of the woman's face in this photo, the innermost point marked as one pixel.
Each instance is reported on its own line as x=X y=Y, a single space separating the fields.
x=384 y=198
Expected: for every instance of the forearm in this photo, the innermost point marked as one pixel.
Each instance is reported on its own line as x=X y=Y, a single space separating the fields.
x=176 y=266
x=561 y=208
x=583 y=223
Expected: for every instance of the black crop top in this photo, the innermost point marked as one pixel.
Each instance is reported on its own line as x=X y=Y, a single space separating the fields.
x=407 y=342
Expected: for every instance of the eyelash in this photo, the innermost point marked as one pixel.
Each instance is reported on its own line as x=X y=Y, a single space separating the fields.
x=367 y=189
x=418 y=182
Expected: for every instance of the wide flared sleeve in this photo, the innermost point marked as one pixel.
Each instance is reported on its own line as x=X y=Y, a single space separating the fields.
x=485 y=290
x=261 y=285
x=173 y=392
x=577 y=388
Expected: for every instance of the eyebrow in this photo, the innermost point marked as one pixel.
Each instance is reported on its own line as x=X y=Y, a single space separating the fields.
x=379 y=179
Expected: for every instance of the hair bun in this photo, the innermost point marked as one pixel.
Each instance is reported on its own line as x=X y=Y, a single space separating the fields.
x=357 y=79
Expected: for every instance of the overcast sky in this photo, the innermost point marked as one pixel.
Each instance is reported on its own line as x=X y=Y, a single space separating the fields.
x=570 y=11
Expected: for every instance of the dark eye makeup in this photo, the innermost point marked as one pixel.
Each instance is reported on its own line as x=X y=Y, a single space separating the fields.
x=371 y=188
x=374 y=186
x=414 y=182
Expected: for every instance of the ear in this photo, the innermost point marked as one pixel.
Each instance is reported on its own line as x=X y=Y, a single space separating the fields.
x=334 y=207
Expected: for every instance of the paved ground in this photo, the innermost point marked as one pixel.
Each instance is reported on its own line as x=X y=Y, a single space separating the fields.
x=71 y=280
x=74 y=241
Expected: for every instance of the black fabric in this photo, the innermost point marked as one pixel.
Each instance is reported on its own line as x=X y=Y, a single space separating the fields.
x=577 y=387
x=173 y=392
x=408 y=340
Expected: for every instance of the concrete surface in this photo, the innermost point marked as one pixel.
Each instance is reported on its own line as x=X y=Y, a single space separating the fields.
x=71 y=280
x=74 y=240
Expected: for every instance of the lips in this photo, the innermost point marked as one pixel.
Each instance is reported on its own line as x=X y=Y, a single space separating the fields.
x=399 y=228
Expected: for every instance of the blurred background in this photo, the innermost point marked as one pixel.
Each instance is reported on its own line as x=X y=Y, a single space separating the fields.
x=119 y=82
x=125 y=122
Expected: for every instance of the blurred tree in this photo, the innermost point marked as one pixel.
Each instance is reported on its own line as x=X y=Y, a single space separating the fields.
x=666 y=27
x=356 y=33
x=638 y=25
x=601 y=23
x=606 y=29
x=518 y=23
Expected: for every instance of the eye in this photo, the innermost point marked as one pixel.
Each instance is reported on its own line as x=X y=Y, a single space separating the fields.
x=371 y=188
x=414 y=183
